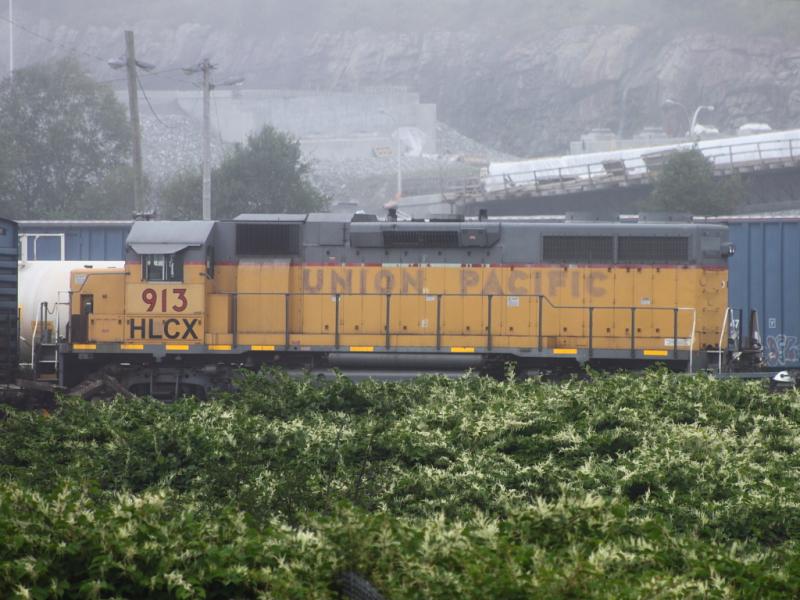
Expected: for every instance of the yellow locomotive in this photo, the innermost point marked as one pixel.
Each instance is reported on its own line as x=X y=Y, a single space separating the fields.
x=197 y=299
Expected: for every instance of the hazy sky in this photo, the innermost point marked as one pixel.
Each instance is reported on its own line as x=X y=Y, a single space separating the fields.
x=253 y=16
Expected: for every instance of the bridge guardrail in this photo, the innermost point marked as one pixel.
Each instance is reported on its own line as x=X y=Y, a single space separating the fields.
x=746 y=155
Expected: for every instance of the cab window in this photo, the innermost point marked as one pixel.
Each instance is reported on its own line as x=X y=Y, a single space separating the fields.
x=162 y=267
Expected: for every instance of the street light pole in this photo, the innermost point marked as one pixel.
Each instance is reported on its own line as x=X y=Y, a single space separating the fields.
x=693 y=119
x=697 y=114
x=671 y=102
x=398 y=147
x=398 y=151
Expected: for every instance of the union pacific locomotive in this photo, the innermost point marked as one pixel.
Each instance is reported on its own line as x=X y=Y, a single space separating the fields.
x=196 y=300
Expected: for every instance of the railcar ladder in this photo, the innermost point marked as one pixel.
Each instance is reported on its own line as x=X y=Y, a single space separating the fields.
x=45 y=348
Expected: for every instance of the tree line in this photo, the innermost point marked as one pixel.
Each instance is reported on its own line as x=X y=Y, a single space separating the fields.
x=65 y=147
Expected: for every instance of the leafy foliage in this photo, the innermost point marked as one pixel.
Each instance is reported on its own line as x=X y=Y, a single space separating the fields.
x=687 y=184
x=181 y=196
x=64 y=140
x=654 y=485
x=267 y=174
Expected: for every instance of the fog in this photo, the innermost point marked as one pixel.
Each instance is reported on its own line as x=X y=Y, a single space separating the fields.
x=523 y=77
x=775 y=17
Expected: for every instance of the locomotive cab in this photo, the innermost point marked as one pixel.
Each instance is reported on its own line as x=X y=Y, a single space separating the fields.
x=155 y=304
x=95 y=299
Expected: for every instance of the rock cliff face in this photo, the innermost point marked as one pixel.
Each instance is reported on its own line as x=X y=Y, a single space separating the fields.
x=526 y=96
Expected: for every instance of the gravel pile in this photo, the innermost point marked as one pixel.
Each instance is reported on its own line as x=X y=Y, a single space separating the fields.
x=174 y=142
x=450 y=141
x=371 y=182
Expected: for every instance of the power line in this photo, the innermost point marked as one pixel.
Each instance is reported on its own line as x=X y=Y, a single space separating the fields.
x=74 y=50
x=50 y=40
x=219 y=126
x=152 y=110
x=152 y=74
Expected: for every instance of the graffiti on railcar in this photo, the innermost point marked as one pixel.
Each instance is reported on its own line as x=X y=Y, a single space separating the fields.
x=782 y=350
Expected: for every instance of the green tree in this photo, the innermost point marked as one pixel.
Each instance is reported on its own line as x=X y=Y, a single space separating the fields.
x=265 y=175
x=112 y=196
x=688 y=184
x=180 y=197
x=63 y=134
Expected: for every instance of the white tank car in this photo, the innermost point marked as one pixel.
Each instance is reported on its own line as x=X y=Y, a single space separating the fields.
x=47 y=281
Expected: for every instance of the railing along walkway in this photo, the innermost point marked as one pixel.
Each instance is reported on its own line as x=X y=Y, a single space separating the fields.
x=743 y=157
x=287 y=303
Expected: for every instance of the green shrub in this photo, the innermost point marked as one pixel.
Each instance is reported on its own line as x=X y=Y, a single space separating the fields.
x=609 y=486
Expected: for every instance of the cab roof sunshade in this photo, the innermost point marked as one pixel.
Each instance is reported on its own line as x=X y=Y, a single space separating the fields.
x=168 y=237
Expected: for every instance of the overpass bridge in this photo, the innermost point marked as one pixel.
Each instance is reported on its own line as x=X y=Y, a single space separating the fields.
x=621 y=181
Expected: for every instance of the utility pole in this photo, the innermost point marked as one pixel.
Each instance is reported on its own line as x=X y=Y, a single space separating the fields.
x=205 y=67
x=130 y=63
x=133 y=101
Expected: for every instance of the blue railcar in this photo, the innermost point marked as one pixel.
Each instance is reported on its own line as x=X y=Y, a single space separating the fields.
x=765 y=277
x=8 y=300
x=74 y=240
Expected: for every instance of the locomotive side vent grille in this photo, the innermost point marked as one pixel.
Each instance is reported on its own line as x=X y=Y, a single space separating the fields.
x=267 y=239
x=578 y=249
x=653 y=249
x=394 y=238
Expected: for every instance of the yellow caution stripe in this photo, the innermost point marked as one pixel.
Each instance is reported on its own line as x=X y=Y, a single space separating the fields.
x=362 y=349
x=84 y=346
x=462 y=350
x=565 y=351
x=131 y=346
x=220 y=347
x=263 y=348
x=177 y=346
x=656 y=353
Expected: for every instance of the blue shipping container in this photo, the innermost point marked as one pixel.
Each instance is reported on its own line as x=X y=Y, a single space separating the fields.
x=765 y=276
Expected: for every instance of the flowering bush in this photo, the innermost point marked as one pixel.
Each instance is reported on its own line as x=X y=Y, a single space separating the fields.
x=653 y=485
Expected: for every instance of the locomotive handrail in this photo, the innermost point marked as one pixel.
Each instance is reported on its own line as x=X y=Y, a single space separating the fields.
x=722 y=335
x=541 y=302
x=454 y=295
